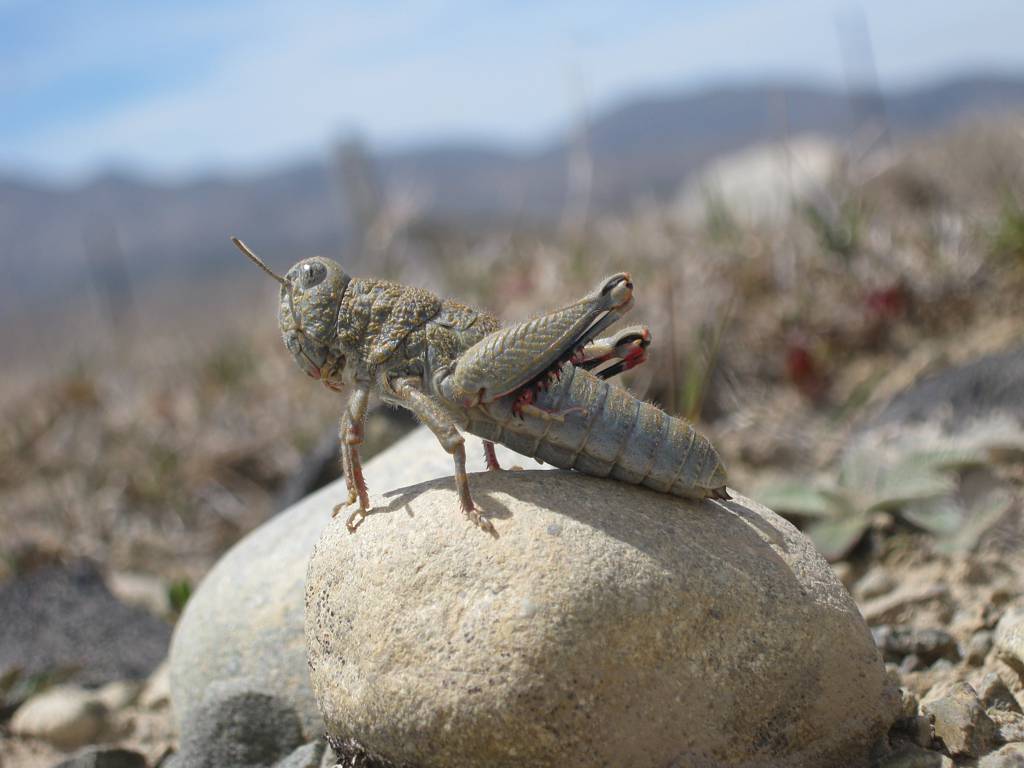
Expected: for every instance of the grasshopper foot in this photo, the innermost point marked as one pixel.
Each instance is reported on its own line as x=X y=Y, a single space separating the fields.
x=480 y=520
x=356 y=519
x=360 y=513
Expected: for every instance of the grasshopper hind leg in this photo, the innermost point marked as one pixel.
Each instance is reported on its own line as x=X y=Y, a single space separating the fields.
x=491 y=457
x=615 y=354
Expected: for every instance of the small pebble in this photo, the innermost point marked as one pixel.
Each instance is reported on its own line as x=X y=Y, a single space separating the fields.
x=1010 y=756
x=104 y=757
x=959 y=720
x=1009 y=637
x=874 y=583
x=1010 y=725
x=912 y=663
x=912 y=756
x=66 y=716
x=929 y=645
x=157 y=691
x=119 y=694
x=307 y=756
x=908 y=703
x=922 y=731
x=995 y=695
x=978 y=647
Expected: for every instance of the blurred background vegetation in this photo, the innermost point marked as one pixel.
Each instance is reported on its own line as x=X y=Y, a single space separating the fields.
x=817 y=206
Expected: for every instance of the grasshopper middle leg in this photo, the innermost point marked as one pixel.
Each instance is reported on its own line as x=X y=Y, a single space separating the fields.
x=444 y=429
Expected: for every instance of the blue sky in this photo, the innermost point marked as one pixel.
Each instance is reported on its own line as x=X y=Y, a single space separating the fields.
x=174 y=89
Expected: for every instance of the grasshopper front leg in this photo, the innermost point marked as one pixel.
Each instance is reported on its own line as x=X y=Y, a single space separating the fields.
x=351 y=436
x=408 y=393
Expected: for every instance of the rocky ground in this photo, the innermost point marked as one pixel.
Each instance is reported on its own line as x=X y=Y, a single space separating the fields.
x=125 y=475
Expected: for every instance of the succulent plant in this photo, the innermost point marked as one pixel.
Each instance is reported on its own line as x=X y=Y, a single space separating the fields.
x=917 y=487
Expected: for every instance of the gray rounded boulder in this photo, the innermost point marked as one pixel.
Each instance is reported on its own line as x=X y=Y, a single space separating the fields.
x=245 y=619
x=605 y=625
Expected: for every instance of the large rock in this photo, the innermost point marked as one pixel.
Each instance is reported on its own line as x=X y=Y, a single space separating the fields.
x=761 y=183
x=605 y=625
x=64 y=619
x=979 y=404
x=237 y=724
x=957 y=396
x=245 y=619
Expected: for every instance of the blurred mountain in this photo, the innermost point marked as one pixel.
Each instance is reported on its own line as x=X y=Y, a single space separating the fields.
x=56 y=240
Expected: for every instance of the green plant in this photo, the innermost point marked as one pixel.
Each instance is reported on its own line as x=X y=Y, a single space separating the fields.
x=837 y=225
x=719 y=221
x=839 y=515
x=1008 y=237
x=178 y=593
x=958 y=525
x=699 y=366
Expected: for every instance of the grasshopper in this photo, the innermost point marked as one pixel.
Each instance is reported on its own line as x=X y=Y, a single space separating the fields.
x=539 y=387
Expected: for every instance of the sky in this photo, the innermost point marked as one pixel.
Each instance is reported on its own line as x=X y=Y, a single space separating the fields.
x=172 y=90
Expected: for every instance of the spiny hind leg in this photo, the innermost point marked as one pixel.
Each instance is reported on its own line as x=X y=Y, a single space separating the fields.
x=491 y=457
x=351 y=435
x=440 y=423
x=522 y=354
x=615 y=354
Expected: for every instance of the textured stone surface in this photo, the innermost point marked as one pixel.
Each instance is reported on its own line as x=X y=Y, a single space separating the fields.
x=605 y=625
x=237 y=724
x=245 y=619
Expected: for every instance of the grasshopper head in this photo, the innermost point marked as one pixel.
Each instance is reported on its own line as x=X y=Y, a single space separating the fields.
x=311 y=293
x=310 y=296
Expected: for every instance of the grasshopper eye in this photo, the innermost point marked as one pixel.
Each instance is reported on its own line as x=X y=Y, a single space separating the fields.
x=311 y=274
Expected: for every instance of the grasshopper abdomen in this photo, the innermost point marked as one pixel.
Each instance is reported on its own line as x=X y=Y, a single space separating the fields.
x=606 y=432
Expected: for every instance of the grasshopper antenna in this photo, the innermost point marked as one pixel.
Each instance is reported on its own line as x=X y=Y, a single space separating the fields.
x=258 y=261
x=286 y=283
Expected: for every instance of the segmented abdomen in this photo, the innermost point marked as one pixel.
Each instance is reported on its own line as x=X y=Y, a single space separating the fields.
x=616 y=435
